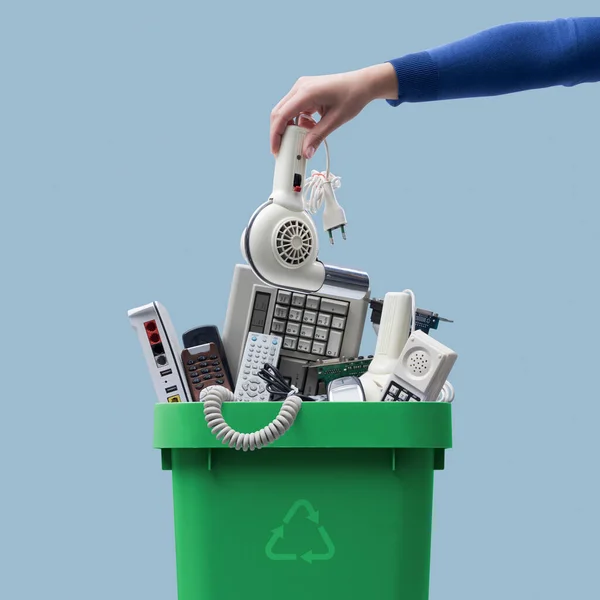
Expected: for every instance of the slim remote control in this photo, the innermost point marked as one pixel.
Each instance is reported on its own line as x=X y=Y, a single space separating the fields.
x=259 y=350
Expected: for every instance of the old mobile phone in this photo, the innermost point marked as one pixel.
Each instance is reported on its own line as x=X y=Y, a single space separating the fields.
x=200 y=336
x=345 y=389
x=204 y=367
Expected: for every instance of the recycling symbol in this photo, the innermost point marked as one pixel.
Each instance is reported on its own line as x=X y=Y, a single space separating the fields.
x=322 y=547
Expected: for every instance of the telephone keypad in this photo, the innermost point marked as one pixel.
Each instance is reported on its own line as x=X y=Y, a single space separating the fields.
x=201 y=373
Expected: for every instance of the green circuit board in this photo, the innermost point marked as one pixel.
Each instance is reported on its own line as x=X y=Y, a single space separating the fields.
x=352 y=367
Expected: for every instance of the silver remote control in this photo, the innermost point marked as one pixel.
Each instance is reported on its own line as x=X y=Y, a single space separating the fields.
x=260 y=349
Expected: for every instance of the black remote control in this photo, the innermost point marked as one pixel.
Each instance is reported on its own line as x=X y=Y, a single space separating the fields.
x=207 y=334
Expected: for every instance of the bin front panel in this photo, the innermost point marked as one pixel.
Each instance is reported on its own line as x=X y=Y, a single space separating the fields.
x=303 y=524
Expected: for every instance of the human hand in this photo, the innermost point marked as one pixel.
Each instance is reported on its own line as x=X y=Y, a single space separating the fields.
x=336 y=98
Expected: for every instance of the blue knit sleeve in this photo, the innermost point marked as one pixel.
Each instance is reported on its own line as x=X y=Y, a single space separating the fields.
x=503 y=60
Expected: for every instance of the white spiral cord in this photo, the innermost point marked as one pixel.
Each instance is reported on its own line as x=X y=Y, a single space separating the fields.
x=213 y=402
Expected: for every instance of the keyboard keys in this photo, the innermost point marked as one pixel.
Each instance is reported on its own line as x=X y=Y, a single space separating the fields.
x=324 y=319
x=307 y=331
x=298 y=300
x=281 y=312
x=310 y=324
x=293 y=328
x=309 y=317
x=312 y=302
x=290 y=342
x=321 y=334
x=304 y=345
x=338 y=323
x=334 y=344
x=284 y=297
x=318 y=348
x=337 y=307
x=295 y=314
x=277 y=326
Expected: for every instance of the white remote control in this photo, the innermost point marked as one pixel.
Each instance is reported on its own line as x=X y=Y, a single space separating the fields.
x=259 y=349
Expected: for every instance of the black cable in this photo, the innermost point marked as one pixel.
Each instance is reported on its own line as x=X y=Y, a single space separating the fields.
x=277 y=386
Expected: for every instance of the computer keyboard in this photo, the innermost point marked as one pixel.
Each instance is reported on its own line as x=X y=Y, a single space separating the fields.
x=309 y=324
x=325 y=325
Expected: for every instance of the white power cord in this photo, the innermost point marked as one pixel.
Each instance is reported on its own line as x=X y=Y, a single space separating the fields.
x=213 y=413
x=321 y=186
x=315 y=185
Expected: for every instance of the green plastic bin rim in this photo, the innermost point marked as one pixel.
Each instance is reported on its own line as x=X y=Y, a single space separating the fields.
x=318 y=425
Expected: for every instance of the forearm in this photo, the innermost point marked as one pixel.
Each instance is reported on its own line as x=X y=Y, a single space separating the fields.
x=502 y=60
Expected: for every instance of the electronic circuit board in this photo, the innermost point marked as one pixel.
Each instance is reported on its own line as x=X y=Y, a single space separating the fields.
x=329 y=370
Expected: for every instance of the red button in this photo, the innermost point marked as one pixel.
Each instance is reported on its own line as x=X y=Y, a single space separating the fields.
x=297 y=188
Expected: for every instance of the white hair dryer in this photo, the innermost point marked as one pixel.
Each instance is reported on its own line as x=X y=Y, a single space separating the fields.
x=280 y=242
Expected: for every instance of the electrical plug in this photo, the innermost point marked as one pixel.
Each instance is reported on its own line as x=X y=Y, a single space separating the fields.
x=334 y=216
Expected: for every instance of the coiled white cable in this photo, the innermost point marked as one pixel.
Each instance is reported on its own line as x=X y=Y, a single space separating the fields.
x=213 y=403
x=317 y=181
x=315 y=186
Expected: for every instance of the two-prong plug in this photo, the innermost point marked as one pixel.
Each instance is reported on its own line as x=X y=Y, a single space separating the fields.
x=334 y=216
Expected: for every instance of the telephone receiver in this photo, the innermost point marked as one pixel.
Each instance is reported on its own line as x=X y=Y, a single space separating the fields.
x=394 y=331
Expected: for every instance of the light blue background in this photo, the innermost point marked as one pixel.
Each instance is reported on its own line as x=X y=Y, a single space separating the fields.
x=133 y=149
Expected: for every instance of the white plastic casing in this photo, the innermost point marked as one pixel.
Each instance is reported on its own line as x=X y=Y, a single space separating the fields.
x=422 y=368
x=392 y=334
x=162 y=379
x=280 y=242
x=289 y=162
x=345 y=389
x=242 y=316
x=260 y=249
x=259 y=350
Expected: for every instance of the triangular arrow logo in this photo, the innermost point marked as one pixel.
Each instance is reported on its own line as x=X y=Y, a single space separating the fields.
x=312 y=516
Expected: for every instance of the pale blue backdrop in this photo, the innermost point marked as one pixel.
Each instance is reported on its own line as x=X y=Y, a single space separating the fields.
x=134 y=147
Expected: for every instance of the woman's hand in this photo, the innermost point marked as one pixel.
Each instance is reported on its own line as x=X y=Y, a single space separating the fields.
x=336 y=98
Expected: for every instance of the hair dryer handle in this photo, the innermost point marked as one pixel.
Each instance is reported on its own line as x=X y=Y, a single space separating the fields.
x=290 y=169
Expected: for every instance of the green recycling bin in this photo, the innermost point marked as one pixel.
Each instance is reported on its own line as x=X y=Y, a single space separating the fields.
x=338 y=508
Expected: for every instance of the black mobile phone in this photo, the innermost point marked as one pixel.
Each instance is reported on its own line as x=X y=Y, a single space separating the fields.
x=207 y=334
